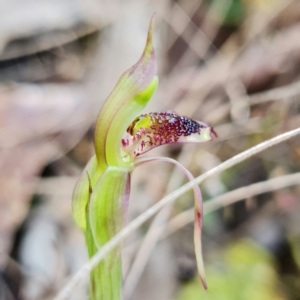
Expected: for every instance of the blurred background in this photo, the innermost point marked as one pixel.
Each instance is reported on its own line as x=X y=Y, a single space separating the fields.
x=232 y=63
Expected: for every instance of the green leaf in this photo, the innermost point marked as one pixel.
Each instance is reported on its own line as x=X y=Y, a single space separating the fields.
x=242 y=270
x=229 y=12
x=105 y=218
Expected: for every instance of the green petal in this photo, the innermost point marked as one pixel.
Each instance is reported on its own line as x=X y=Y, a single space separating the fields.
x=131 y=94
x=82 y=191
x=198 y=211
x=106 y=218
x=118 y=128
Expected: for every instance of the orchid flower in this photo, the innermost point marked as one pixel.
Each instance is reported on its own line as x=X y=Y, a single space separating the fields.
x=122 y=135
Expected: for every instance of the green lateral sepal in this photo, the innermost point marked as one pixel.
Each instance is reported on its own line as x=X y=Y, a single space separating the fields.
x=106 y=212
x=82 y=191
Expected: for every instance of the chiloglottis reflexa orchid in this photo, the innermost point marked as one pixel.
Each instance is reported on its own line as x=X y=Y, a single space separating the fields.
x=122 y=135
